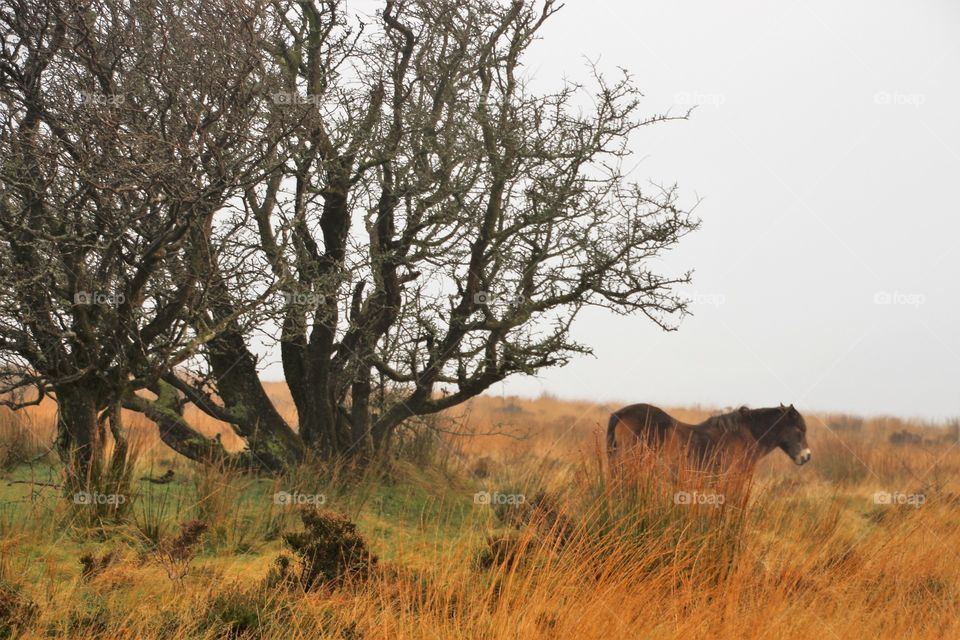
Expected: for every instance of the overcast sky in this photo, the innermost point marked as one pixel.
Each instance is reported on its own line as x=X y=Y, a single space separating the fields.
x=826 y=151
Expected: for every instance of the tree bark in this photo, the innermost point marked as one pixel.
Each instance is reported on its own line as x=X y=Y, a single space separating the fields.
x=174 y=431
x=118 y=462
x=272 y=443
x=78 y=442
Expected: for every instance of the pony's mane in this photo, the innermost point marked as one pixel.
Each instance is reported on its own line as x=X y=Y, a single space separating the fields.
x=737 y=419
x=727 y=422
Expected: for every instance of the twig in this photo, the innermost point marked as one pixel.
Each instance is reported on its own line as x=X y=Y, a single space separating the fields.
x=41 y=484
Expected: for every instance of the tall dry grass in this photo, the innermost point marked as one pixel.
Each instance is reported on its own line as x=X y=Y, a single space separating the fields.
x=790 y=552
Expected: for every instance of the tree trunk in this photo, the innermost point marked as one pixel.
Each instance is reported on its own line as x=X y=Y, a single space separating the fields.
x=360 y=436
x=78 y=442
x=118 y=463
x=174 y=431
x=323 y=423
x=271 y=441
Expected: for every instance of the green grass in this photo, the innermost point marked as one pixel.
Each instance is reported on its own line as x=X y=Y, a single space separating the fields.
x=413 y=516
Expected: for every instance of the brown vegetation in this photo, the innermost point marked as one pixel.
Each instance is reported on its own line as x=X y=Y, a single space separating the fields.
x=842 y=546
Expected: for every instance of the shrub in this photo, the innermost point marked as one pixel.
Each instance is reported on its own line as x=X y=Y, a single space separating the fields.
x=234 y=613
x=175 y=554
x=281 y=573
x=16 y=611
x=92 y=566
x=330 y=550
x=844 y=422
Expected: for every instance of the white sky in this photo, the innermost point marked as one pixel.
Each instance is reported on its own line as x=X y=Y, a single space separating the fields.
x=826 y=150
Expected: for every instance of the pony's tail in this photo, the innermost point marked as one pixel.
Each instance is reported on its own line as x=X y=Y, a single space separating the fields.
x=612 y=433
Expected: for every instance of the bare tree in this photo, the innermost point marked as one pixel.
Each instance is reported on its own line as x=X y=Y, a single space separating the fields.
x=125 y=129
x=435 y=227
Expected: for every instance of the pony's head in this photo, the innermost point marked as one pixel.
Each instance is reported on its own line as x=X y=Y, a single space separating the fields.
x=779 y=428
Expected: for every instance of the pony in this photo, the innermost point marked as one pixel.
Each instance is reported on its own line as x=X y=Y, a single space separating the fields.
x=743 y=435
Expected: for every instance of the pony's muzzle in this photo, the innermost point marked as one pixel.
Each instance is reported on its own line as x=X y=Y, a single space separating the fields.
x=803 y=457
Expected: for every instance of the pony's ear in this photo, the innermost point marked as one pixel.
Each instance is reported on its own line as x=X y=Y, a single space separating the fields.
x=781 y=406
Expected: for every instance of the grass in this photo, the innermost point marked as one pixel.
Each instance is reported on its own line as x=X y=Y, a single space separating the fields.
x=563 y=549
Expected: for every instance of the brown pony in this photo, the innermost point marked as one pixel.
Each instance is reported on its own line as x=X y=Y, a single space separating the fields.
x=744 y=434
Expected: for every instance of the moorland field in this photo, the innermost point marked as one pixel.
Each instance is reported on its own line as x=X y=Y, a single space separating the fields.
x=499 y=520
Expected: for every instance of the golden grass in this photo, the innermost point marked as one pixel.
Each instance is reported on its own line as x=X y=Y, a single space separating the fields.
x=796 y=553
